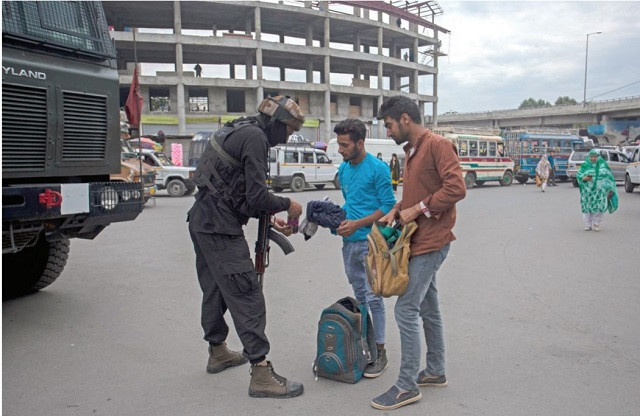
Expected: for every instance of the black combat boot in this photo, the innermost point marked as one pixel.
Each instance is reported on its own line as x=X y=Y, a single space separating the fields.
x=266 y=383
x=221 y=358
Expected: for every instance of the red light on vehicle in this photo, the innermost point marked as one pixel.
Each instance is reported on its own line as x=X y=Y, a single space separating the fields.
x=50 y=199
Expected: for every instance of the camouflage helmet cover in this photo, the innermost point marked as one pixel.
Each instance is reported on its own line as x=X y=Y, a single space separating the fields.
x=283 y=108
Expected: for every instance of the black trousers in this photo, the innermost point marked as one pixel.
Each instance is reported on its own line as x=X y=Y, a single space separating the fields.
x=552 y=176
x=229 y=282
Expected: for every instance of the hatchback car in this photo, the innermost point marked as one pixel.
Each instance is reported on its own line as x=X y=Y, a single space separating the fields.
x=615 y=158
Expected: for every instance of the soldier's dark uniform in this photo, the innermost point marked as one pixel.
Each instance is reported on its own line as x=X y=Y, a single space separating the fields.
x=228 y=196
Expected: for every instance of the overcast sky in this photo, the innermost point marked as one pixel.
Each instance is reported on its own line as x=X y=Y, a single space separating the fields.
x=503 y=52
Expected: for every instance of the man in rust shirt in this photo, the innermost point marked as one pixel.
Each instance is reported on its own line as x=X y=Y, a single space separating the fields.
x=432 y=186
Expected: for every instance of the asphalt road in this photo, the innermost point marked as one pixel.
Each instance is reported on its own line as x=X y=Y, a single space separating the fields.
x=541 y=318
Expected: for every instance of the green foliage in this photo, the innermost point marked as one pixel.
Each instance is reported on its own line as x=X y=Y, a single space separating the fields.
x=565 y=101
x=159 y=103
x=533 y=103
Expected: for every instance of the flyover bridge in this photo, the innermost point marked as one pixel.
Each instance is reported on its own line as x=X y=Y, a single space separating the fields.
x=567 y=116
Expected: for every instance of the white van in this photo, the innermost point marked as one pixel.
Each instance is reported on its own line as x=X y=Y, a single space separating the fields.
x=295 y=166
x=374 y=146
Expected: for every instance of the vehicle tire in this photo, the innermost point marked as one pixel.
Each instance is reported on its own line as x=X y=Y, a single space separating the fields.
x=176 y=188
x=507 y=179
x=297 y=184
x=470 y=180
x=319 y=186
x=574 y=182
x=564 y=178
x=190 y=190
x=336 y=183
x=522 y=179
x=33 y=268
x=277 y=189
x=480 y=183
x=628 y=186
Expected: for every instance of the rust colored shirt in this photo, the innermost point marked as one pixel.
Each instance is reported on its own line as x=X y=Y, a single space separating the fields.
x=432 y=175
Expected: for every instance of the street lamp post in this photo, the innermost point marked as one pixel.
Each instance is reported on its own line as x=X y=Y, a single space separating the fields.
x=586 y=57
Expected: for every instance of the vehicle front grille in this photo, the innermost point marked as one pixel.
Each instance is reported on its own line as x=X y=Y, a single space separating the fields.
x=24 y=128
x=85 y=127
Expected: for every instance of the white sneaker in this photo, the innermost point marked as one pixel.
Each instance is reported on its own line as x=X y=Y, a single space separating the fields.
x=596 y=227
x=587 y=228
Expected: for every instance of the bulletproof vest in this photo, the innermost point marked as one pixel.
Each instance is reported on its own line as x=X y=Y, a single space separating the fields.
x=222 y=177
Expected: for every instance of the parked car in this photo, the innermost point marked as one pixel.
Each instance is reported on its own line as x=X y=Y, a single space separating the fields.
x=130 y=172
x=177 y=180
x=295 y=166
x=615 y=158
x=632 y=175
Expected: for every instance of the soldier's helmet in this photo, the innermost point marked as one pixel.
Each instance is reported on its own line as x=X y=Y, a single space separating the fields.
x=283 y=108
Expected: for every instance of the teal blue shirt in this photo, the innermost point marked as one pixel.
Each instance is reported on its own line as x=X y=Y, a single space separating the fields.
x=366 y=187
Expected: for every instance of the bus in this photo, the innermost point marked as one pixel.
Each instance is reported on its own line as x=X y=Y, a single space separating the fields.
x=482 y=159
x=527 y=149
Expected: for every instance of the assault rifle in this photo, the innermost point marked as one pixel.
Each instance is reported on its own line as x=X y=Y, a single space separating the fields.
x=265 y=233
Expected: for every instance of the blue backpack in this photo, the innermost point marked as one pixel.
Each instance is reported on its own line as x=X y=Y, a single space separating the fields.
x=346 y=341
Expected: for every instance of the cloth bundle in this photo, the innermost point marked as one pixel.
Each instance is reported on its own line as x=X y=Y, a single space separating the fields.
x=323 y=213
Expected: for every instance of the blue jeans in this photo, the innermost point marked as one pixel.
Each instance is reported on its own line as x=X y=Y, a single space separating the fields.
x=420 y=301
x=354 y=254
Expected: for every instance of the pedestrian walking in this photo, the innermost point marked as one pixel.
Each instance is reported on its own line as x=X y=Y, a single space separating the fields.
x=598 y=192
x=542 y=172
x=231 y=178
x=552 y=170
x=432 y=185
x=394 y=166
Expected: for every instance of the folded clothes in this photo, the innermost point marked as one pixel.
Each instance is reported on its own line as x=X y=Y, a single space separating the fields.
x=322 y=213
x=325 y=214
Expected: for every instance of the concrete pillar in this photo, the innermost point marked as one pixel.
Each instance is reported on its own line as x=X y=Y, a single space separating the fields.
x=257 y=23
x=182 y=122
x=434 y=105
x=259 y=64
x=357 y=72
x=177 y=29
x=328 y=131
x=326 y=38
x=248 y=65
x=380 y=76
x=179 y=62
x=258 y=28
x=393 y=49
x=177 y=18
x=309 y=42
x=310 y=71
x=259 y=96
x=232 y=71
x=382 y=132
x=309 y=39
x=414 y=82
x=356 y=41
x=380 y=41
x=327 y=60
x=282 y=74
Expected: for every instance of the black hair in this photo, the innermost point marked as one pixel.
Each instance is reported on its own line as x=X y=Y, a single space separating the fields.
x=353 y=127
x=398 y=105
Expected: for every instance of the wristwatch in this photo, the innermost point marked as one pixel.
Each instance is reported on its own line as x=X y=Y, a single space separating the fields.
x=425 y=210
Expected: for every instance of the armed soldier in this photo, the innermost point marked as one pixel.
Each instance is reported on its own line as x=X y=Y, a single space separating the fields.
x=231 y=179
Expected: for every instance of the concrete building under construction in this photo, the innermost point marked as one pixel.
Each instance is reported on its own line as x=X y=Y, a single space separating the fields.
x=206 y=62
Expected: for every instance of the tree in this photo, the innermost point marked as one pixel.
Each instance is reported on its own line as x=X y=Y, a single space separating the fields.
x=565 y=101
x=533 y=103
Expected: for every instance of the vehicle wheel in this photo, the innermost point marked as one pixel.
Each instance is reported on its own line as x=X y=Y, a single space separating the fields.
x=336 y=182
x=297 y=184
x=277 y=189
x=176 y=188
x=628 y=186
x=190 y=190
x=33 y=268
x=480 y=183
x=319 y=186
x=574 y=182
x=507 y=179
x=564 y=178
x=522 y=179
x=469 y=180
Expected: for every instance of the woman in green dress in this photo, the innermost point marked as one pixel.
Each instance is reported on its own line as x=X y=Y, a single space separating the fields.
x=597 y=190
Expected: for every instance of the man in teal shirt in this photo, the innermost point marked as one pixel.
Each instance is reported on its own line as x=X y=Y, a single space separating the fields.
x=365 y=182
